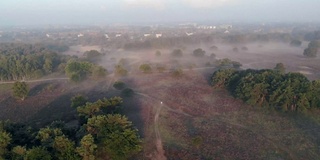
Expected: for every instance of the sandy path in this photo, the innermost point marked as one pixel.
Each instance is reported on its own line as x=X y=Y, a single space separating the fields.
x=38 y=80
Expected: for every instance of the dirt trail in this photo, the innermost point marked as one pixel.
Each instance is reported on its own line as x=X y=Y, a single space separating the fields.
x=38 y=80
x=160 y=150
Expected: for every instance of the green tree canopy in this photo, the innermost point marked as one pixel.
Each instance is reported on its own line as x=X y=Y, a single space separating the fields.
x=120 y=140
x=20 y=90
x=145 y=68
x=199 y=52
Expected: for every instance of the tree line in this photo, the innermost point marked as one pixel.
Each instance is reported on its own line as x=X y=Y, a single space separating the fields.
x=270 y=88
x=101 y=132
x=24 y=61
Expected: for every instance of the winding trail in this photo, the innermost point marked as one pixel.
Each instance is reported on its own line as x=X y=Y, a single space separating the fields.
x=38 y=80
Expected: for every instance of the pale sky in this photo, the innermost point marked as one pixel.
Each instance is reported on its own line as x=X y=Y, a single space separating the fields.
x=86 y=12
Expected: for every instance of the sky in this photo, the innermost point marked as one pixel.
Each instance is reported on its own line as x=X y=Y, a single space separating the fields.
x=93 y=12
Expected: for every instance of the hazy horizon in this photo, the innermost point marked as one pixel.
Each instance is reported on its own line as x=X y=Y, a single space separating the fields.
x=91 y=12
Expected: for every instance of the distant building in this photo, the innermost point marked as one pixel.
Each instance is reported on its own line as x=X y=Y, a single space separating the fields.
x=189 y=34
x=118 y=35
x=158 y=35
x=80 y=35
x=226 y=32
x=107 y=36
x=48 y=35
x=147 y=35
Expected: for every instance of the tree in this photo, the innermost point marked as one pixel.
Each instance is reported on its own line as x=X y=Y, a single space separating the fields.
x=78 y=100
x=145 y=68
x=128 y=92
x=158 y=53
x=64 y=149
x=310 y=52
x=312 y=49
x=18 y=152
x=115 y=134
x=99 y=72
x=177 y=72
x=5 y=140
x=120 y=71
x=78 y=71
x=92 y=55
x=38 y=153
x=177 y=53
x=199 y=52
x=119 y=85
x=87 y=148
x=280 y=68
x=295 y=43
x=20 y=90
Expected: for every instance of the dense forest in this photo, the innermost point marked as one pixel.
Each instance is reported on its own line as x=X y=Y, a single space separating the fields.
x=270 y=88
x=24 y=61
x=100 y=131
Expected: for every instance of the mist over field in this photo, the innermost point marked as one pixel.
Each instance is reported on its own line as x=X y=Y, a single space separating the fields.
x=159 y=79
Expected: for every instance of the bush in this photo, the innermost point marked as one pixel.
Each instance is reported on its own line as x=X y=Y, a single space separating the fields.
x=128 y=92
x=199 y=52
x=177 y=53
x=145 y=68
x=119 y=85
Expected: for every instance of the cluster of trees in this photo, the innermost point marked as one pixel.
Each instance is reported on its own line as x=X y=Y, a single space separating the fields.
x=23 y=61
x=270 y=88
x=92 y=55
x=101 y=133
x=20 y=90
x=312 y=49
x=227 y=63
x=295 y=43
x=199 y=52
x=145 y=68
x=177 y=53
x=80 y=70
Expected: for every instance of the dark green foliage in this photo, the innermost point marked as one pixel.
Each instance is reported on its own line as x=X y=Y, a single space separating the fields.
x=128 y=92
x=280 y=68
x=78 y=101
x=312 y=49
x=38 y=153
x=101 y=106
x=177 y=72
x=177 y=53
x=310 y=52
x=78 y=71
x=227 y=63
x=5 y=140
x=92 y=55
x=99 y=72
x=20 y=90
x=295 y=43
x=116 y=135
x=64 y=149
x=119 y=85
x=145 y=68
x=287 y=92
x=120 y=71
x=87 y=148
x=199 y=52
x=22 y=61
x=102 y=135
